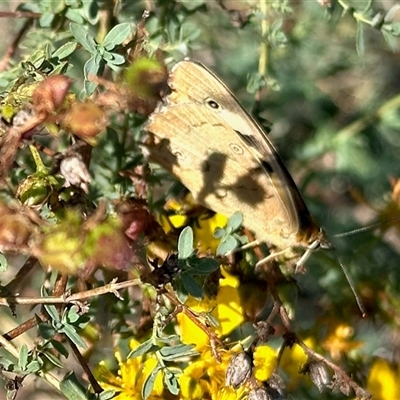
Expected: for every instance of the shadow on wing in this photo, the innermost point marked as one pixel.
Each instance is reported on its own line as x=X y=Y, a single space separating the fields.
x=219 y=177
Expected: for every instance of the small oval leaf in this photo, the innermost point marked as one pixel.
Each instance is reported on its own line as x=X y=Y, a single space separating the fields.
x=185 y=243
x=117 y=35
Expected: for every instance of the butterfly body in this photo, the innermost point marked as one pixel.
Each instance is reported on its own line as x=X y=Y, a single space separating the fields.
x=206 y=139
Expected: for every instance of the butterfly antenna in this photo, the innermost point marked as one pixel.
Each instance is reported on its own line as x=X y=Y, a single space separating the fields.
x=351 y=284
x=369 y=227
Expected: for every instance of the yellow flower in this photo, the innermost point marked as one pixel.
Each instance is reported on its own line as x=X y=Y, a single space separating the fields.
x=384 y=380
x=132 y=374
x=226 y=309
x=264 y=361
x=204 y=231
x=191 y=384
x=339 y=341
x=205 y=378
x=228 y=393
x=176 y=220
x=190 y=333
x=203 y=227
x=291 y=362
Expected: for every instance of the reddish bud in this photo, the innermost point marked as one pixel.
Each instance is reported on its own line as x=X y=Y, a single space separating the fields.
x=50 y=94
x=134 y=218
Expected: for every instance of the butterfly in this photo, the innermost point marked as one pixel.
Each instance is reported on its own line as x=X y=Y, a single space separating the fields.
x=203 y=136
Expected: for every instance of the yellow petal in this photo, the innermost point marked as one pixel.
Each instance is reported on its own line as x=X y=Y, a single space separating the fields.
x=264 y=360
x=228 y=310
x=383 y=381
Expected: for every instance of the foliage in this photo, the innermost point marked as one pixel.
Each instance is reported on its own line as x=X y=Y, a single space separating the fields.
x=189 y=317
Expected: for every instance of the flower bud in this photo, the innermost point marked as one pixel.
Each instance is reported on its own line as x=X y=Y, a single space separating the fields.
x=50 y=94
x=317 y=373
x=85 y=120
x=259 y=394
x=75 y=172
x=239 y=370
x=146 y=78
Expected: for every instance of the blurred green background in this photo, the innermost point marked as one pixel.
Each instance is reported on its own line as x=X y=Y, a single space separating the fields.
x=331 y=92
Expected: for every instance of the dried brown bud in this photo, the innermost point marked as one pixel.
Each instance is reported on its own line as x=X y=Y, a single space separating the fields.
x=85 y=120
x=317 y=373
x=75 y=172
x=259 y=394
x=15 y=230
x=239 y=370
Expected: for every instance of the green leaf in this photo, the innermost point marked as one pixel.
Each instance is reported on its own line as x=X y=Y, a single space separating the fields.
x=185 y=243
x=46 y=330
x=255 y=82
x=3 y=263
x=7 y=364
x=72 y=3
x=46 y=19
x=116 y=59
x=107 y=395
x=204 y=266
x=219 y=233
x=146 y=347
x=23 y=357
x=91 y=11
x=71 y=316
x=170 y=339
x=55 y=6
x=91 y=68
x=74 y=16
x=60 y=348
x=65 y=50
x=235 y=221
x=227 y=245
x=52 y=311
x=34 y=366
x=192 y=286
x=191 y=5
x=149 y=382
x=72 y=389
x=360 y=43
x=171 y=382
x=53 y=359
x=83 y=37
x=117 y=35
x=73 y=336
x=172 y=353
x=181 y=291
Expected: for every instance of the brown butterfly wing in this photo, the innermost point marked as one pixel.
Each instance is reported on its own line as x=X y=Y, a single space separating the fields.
x=206 y=139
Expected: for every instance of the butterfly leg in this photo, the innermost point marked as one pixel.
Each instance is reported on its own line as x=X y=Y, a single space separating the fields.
x=249 y=245
x=306 y=255
x=271 y=256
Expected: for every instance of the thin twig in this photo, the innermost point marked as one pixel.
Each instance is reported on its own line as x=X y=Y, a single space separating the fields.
x=214 y=339
x=12 y=48
x=19 y=14
x=311 y=353
x=25 y=326
x=112 y=287
x=95 y=385
x=48 y=377
x=23 y=272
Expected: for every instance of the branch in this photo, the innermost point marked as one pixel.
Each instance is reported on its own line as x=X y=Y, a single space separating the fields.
x=112 y=287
